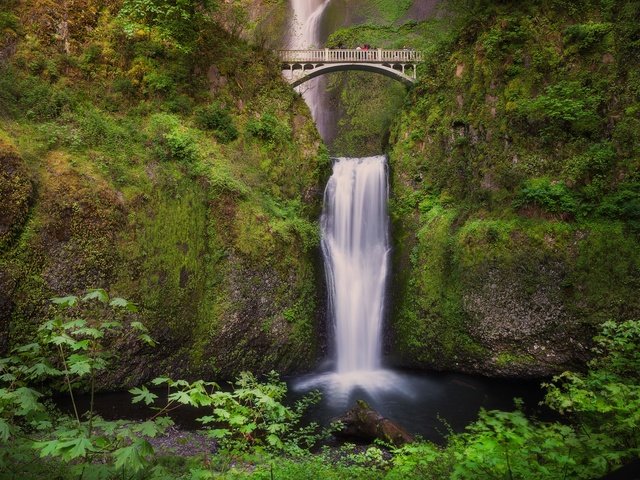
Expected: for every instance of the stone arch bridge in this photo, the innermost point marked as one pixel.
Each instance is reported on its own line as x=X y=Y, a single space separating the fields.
x=298 y=66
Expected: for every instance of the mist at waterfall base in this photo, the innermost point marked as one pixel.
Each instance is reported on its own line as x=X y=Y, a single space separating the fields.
x=356 y=248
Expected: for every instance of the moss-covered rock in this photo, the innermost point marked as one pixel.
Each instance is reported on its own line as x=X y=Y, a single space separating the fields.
x=213 y=236
x=505 y=165
x=16 y=192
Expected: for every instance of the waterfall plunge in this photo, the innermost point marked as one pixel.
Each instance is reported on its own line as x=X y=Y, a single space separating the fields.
x=355 y=246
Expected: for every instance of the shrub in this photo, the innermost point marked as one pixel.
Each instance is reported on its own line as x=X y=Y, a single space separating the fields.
x=268 y=128
x=158 y=83
x=171 y=140
x=585 y=36
x=591 y=170
x=553 y=197
x=214 y=117
x=181 y=145
x=565 y=105
x=624 y=204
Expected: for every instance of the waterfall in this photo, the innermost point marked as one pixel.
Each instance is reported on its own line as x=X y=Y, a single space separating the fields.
x=305 y=33
x=355 y=246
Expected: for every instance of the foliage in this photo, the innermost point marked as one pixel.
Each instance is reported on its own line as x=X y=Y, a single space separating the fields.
x=214 y=117
x=606 y=401
x=566 y=104
x=73 y=351
x=251 y=415
x=269 y=129
x=587 y=35
x=173 y=21
x=623 y=204
x=553 y=197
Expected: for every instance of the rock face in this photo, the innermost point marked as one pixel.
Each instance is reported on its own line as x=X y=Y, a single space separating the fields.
x=516 y=233
x=364 y=423
x=215 y=240
x=16 y=193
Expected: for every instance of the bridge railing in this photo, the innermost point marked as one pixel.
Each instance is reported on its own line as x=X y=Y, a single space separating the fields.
x=338 y=55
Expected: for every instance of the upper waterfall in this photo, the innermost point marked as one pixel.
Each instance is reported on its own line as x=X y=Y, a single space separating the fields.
x=305 y=33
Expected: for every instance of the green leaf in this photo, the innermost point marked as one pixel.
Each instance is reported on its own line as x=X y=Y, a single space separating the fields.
x=147 y=339
x=274 y=440
x=161 y=380
x=218 y=432
x=89 y=332
x=110 y=325
x=148 y=428
x=76 y=447
x=79 y=364
x=97 y=294
x=123 y=303
x=73 y=324
x=30 y=347
x=142 y=394
x=237 y=420
x=63 y=339
x=43 y=369
x=207 y=419
x=182 y=397
x=27 y=400
x=139 y=326
x=47 y=448
x=133 y=457
x=5 y=430
x=70 y=301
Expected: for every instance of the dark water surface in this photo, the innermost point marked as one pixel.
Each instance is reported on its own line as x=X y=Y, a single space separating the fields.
x=427 y=404
x=423 y=403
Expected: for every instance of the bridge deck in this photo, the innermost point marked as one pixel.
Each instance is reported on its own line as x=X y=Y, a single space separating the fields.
x=335 y=55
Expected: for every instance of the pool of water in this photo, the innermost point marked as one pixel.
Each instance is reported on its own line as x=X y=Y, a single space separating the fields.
x=427 y=404
x=424 y=403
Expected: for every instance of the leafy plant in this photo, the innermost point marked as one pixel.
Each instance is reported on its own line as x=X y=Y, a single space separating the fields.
x=606 y=400
x=214 y=117
x=72 y=350
x=251 y=415
x=269 y=129
x=566 y=104
x=584 y=36
x=553 y=197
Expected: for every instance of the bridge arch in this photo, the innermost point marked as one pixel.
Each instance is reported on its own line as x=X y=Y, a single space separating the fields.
x=303 y=65
x=386 y=70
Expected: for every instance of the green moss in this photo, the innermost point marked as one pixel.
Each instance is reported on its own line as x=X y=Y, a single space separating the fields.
x=212 y=237
x=507 y=359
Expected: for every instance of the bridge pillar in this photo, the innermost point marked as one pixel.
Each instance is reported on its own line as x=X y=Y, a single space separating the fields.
x=326 y=54
x=379 y=54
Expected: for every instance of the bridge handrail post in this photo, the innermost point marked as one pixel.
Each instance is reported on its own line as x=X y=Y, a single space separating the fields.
x=326 y=54
x=379 y=55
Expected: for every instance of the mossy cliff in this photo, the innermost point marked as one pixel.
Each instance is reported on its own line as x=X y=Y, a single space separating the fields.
x=184 y=175
x=516 y=197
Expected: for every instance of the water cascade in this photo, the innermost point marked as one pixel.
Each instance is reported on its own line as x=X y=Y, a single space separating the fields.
x=355 y=247
x=305 y=33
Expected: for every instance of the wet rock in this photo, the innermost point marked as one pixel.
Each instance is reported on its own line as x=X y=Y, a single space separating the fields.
x=365 y=423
